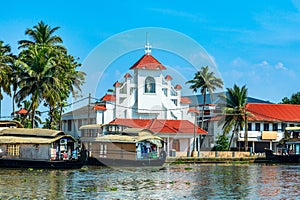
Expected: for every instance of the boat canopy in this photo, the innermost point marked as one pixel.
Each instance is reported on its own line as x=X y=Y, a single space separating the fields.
x=33 y=132
x=136 y=131
x=91 y=126
x=295 y=128
x=31 y=140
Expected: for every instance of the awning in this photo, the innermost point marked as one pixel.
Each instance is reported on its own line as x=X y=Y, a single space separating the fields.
x=269 y=135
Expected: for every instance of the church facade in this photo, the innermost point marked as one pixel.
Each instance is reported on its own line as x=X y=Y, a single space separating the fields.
x=146 y=92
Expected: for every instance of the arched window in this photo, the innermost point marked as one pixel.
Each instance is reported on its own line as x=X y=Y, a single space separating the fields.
x=149 y=85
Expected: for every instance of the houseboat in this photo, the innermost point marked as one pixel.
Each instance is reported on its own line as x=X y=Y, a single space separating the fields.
x=40 y=148
x=289 y=149
x=124 y=147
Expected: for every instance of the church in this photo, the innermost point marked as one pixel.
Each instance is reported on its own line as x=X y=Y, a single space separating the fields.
x=145 y=97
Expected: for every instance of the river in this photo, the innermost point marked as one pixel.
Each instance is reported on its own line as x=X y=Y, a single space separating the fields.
x=194 y=181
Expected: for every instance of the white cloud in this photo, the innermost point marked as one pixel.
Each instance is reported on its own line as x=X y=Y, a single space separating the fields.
x=280 y=66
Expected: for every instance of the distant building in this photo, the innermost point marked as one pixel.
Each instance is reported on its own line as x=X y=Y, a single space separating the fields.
x=266 y=125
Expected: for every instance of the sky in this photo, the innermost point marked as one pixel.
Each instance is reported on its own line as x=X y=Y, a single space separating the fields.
x=254 y=43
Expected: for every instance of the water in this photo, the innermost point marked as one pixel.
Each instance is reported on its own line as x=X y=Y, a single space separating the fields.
x=203 y=181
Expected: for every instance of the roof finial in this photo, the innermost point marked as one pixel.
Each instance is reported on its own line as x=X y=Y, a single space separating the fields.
x=147 y=46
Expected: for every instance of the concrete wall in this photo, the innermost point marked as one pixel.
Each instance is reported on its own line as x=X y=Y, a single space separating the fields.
x=218 y=154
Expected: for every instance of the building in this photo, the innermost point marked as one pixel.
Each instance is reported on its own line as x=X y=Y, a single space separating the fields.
x=147 y=93
x=266 y=125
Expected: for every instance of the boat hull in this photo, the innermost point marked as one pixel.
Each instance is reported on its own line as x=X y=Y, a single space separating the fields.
x=43 y=164
x=125 y=162
x=289 y=158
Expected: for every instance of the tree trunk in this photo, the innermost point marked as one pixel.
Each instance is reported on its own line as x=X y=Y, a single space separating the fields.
x=246 y=133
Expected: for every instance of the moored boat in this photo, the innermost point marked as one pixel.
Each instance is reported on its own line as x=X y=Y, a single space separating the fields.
x=289 y=151
x=129 y=147
x=40 y=148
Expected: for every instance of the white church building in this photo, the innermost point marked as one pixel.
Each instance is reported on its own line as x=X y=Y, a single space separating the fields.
x=145 y=92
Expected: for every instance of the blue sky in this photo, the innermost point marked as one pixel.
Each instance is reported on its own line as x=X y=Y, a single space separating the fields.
x=255 y=42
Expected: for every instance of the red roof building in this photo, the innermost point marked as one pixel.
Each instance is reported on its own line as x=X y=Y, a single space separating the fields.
x=162 y=126
x=274 y=112
x=108 y=97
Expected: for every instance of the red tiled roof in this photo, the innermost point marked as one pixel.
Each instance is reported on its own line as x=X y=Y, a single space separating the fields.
x=22 y=111
x=108 y=97
x=168 y=78
x=178 y=87
x=161 y=125
x=98 y=107
x=185 y=100
x=274 y=112
x=148 y=62
x=117 y=84
x=127 y=75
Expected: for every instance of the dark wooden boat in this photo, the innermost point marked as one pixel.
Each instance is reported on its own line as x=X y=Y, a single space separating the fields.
x=40 y=148
x=131 y=147
x=289 y=151
x=282 y=158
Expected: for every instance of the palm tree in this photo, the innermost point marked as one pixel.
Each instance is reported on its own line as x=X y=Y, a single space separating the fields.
x=207 y=82
x=42 y=34
x=235 y=111
x=49 y=73
x=38 y=76
x=6 y=58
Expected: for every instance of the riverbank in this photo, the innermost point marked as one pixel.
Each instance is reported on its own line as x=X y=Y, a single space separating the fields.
x=186 y=160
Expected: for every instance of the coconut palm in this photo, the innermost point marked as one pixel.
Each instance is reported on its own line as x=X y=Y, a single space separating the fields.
x=49 y=73
x=235 y=111
x=42 y=34
x=206 y=81
x=39 y=75
x=6 y=58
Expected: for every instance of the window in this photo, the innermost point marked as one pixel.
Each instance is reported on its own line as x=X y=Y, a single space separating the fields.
x=103 y=148
x=69 y=125
x=283 y=126
x=149 y=85
x=266 y=127
x=257 y=126
x=275 y=127
x=249 y=127
x=13 y=150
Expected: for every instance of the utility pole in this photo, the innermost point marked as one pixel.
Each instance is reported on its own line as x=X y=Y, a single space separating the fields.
x=89 y=102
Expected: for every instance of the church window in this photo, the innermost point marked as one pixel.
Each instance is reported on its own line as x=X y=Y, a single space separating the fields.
x=149 y=85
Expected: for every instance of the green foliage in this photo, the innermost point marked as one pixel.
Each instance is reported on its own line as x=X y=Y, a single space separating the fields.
x=295 y=99
x=234 y=110
x=221 y=143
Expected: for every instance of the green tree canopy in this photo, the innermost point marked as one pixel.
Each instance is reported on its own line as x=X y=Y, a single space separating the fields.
x=295 y=99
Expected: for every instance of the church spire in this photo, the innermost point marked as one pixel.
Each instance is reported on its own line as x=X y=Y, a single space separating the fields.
x=147 y=46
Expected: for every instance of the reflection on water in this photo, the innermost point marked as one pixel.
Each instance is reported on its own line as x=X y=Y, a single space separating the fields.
x=204 y=181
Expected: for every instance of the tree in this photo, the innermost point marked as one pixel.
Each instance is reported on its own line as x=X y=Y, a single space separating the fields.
x=6 y=59
x=295 y=99
x=25 y=119
x=49 y=73
x=42 y=34
x=235 y=112
x=221 y=144
x=39 y=79
x=207 y=82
